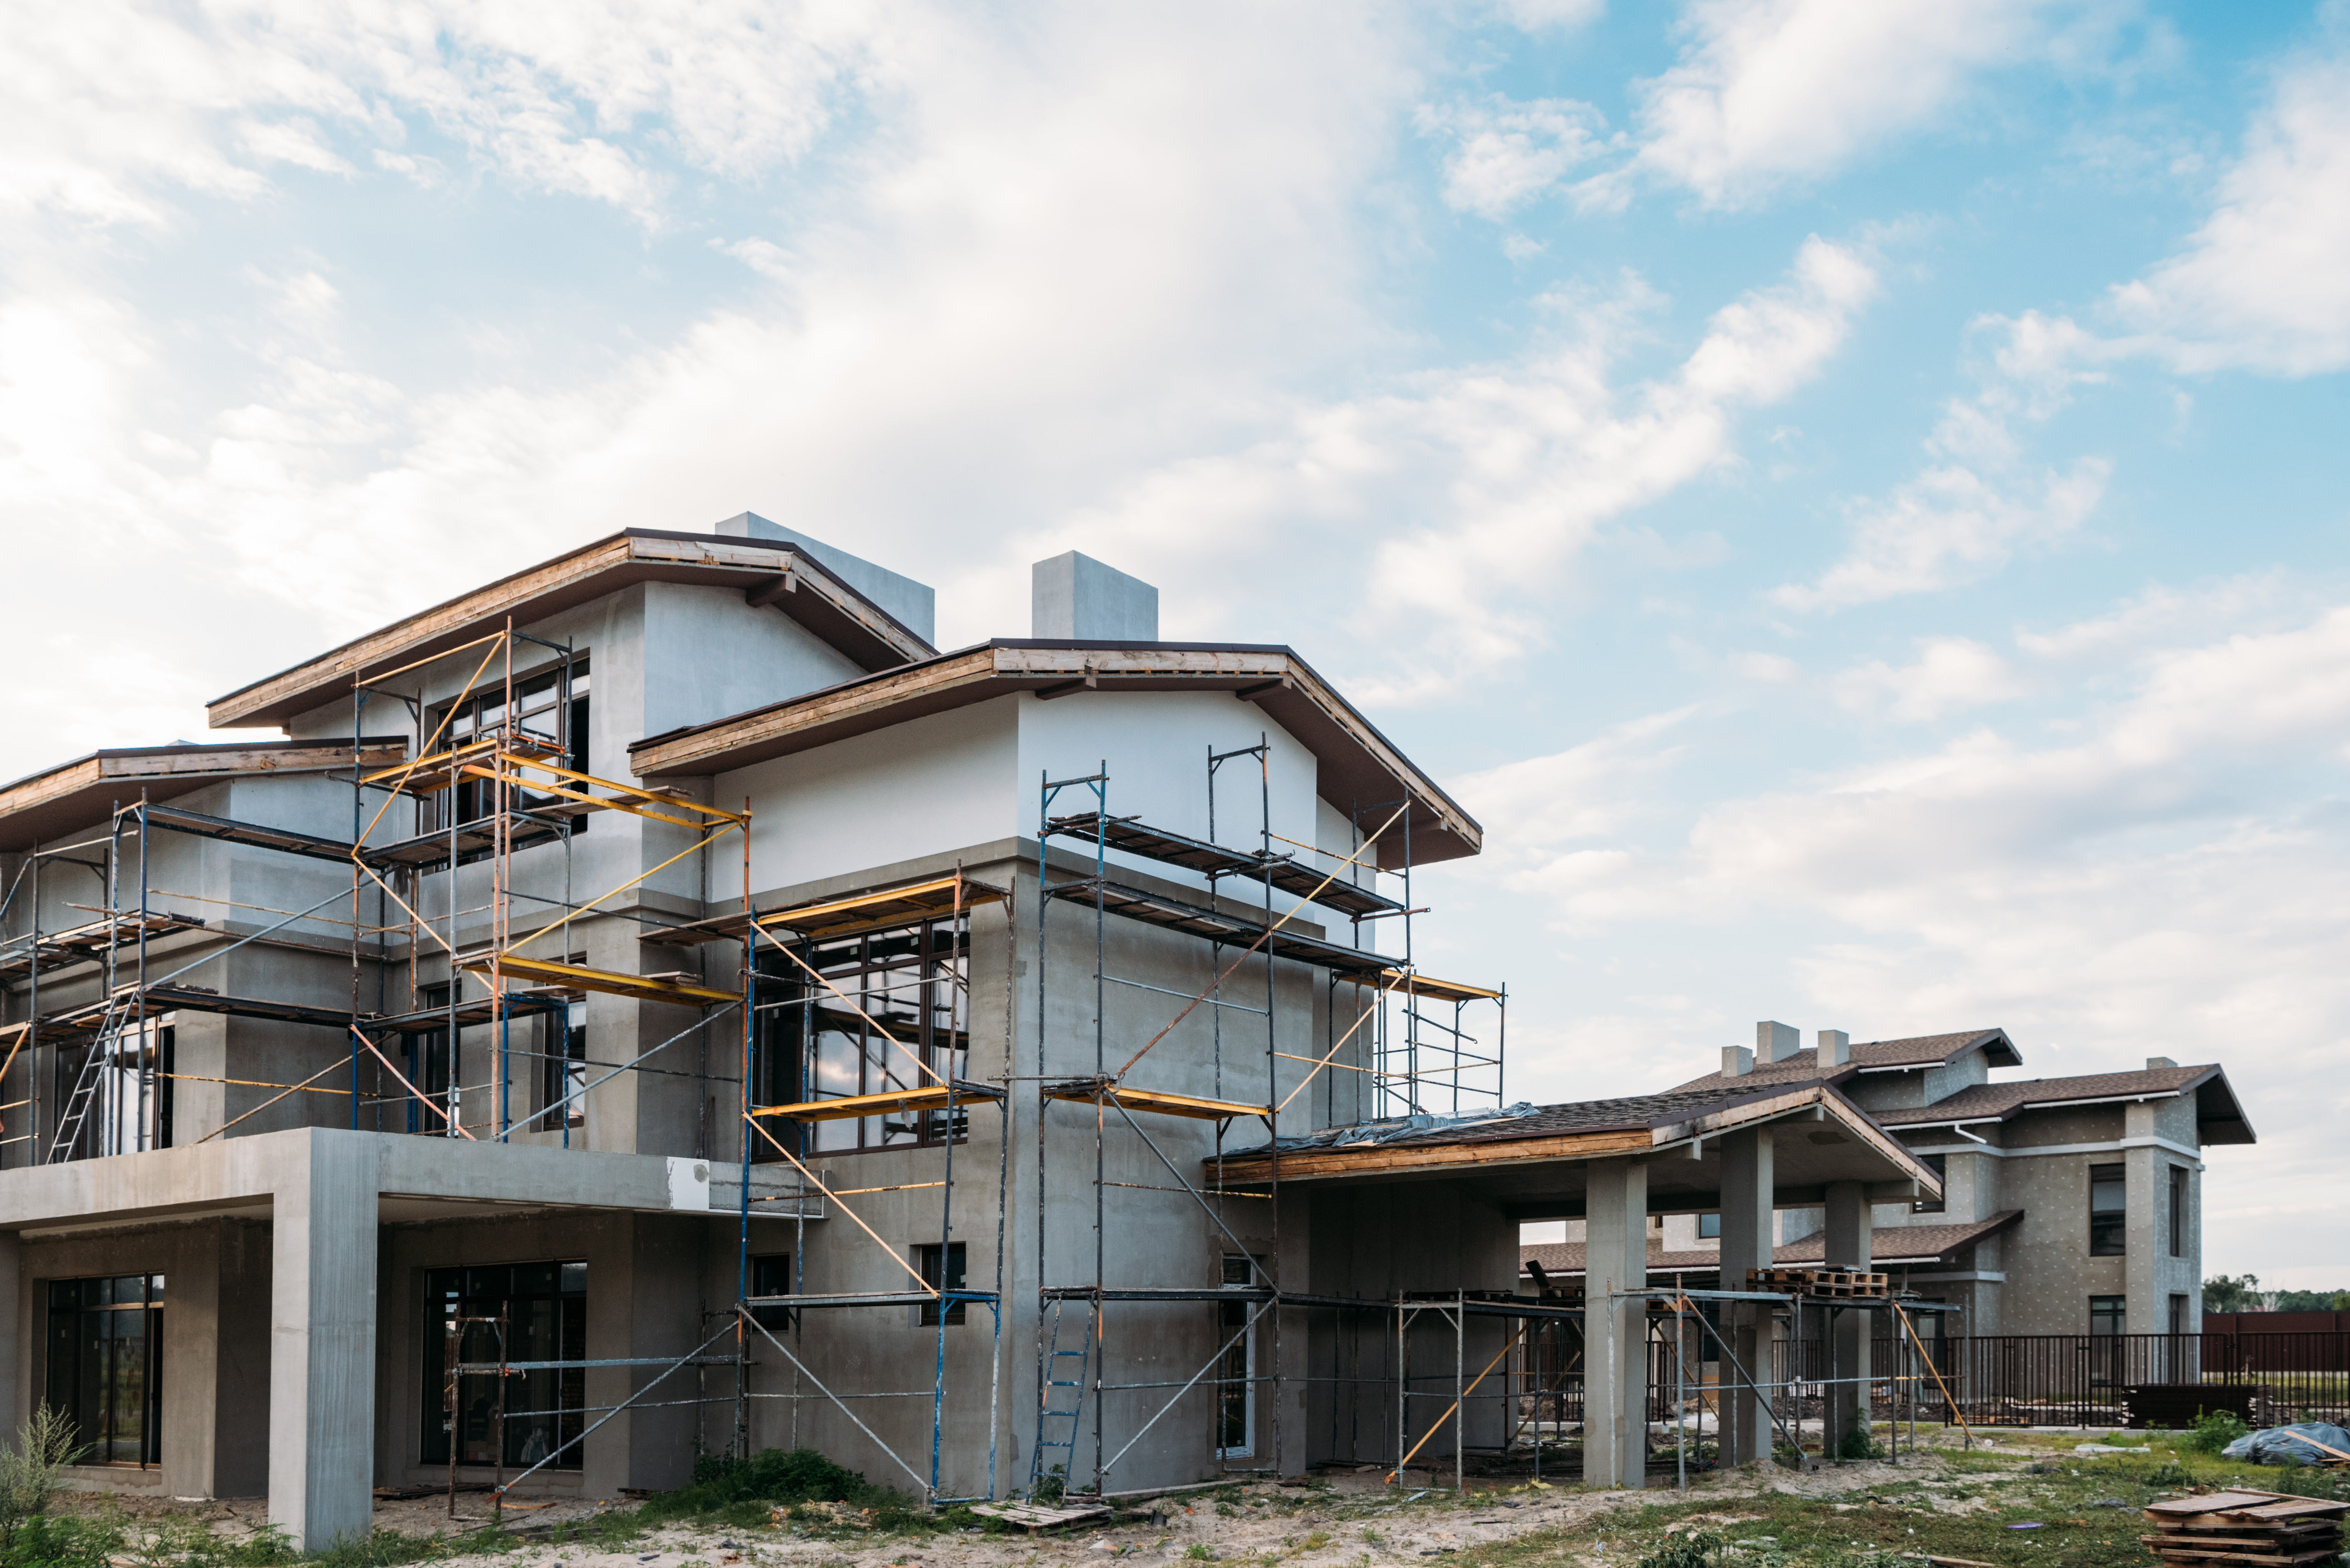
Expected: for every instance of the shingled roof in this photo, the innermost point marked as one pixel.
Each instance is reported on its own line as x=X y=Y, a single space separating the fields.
x=2219 y=1117
x=1915 y=1053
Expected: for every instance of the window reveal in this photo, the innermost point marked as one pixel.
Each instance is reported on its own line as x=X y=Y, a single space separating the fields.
x=2108 y=1210
x=547 y=1308
x=542 y=714
x=106 y=1365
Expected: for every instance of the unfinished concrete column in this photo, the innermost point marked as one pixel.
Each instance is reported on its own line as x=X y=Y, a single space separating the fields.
x=1615 y=1331
x=1747 y=1180
x=322 y=1313
x=1848 y=1241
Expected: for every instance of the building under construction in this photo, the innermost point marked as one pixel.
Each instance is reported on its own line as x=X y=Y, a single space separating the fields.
x=657 y=999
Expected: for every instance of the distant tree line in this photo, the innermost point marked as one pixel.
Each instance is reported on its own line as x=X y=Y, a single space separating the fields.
x=2242 y=1293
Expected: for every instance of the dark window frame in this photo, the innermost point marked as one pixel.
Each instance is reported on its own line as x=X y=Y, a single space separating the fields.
x=926 y=1263
x=1709 y=1226
x=2109 y=1227
x=2181 y=1180
x=1940 y=1164
x=771 y=1275
x=477 y=1291
x=81 y=1312
x=2111 y=1311
x=537 y=692
x=810 y=1046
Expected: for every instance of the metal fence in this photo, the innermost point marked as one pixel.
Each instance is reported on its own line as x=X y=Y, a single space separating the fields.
x=2075 y=1380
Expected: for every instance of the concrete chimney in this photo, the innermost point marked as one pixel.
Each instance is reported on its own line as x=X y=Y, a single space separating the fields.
x=1737 y=1061
x=2154 y=1062
x=1835 y=1048
x=1074 y=597
x=1775 y=1041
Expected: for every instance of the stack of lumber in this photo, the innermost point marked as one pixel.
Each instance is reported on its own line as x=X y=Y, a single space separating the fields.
x=2264 y=1528
x=1831 y=1282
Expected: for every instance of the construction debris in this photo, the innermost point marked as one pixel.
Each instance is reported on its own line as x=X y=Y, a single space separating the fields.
x=2264 y=1528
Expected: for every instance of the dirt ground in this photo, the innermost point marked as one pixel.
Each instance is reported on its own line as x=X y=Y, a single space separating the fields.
x=1344 y=1520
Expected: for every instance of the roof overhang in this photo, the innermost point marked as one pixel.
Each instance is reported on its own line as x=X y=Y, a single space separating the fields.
x=789 y=579
x=1819 y=1138
x=1356 y=762
x=2219 y=1117
x=79 y=794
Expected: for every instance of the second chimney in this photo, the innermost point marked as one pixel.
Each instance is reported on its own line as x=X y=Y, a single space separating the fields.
x=1835 y=1048
x=1077 y=599
x=1775 y=1042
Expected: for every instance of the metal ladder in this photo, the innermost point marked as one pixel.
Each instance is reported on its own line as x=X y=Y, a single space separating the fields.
x=1058 y=1377
x=88 y=1084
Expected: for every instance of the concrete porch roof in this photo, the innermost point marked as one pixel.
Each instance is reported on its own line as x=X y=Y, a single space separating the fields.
x=1537 y=1166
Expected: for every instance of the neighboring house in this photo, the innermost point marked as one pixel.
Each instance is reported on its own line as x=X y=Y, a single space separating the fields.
x=2071 y=1205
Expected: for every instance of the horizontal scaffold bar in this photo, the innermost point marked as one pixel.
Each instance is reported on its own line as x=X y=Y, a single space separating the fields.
x=1428 y=985
x=1504 y=1306
x=471 y=1013
x=928 y=1098
x=1103 y=1089
x=492 y=1368
x=872 y=1298
x=128 y=1006
x=507 y=758
x=1236 y=930
x=578 y=976
x=178 y=819
x=872 y=911
x=1130 y=835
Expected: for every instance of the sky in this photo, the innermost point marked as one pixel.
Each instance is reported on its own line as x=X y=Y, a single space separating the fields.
x=1847 y=492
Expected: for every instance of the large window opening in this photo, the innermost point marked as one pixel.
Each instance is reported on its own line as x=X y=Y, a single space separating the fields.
x=2179 y=1208
x=106 y=1365
x=907 y=1029
x=565 y=1077
x=2108 y=1210
x=548 y=711
x=546 y=1320
x=1940 y=1165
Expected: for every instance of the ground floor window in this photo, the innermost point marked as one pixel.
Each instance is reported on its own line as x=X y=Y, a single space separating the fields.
x=1236 y=1372
x=106 y=1365
x=546 y=1309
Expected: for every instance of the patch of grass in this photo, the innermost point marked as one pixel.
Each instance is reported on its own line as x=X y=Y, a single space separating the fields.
x=2215 y=1431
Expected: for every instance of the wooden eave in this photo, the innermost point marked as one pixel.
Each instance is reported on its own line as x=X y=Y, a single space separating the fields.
x=767 y=571
x=48 y=805
x=1356 y=763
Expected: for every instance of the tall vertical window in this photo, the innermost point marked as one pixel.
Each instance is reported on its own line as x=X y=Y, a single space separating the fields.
x=565 y=1064
x=2108 y=1210
x=2108 y=1315
x=1236 y=1372
x=106 y=1365
x=546 y=1320
x=541 y=716
x=1940 y=1165
x=2179 y=1319
x=2179 y=1208
x=909 y=1029
x=429 y=1062
x=771 y=1275
x=942 y=1271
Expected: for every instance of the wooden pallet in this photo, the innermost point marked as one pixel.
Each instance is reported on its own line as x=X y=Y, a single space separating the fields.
x=2266 y=1528
x=1833 y=1284
x=1033 y=1517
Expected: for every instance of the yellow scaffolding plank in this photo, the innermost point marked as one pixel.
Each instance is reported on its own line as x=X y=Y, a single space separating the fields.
x=644 y=988
x=891 y=906
x=930 y=1098
x=1441 y=989
x=485 y=759
x=1152 y=1100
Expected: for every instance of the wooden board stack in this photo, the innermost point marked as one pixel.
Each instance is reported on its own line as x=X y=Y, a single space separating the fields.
x=1033 y=1516
x=2262 y=1528
x=1830 y=1282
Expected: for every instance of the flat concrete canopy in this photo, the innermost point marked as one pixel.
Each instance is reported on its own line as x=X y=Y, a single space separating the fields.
x=1537 y=1166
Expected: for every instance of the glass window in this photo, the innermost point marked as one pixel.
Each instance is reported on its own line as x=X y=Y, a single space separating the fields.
x=909 y=1022
x=2108 y=1210
x=565 y=1064
x=2108 y=1314
x=771 y=1275
x=542 y=720
x=2179 y=1314
x=106 y=1364
x=1940 y=1165
x=1709 y=1226
x=2179 y=1206
x=546 y=1309
x=926 y=1258
x=1237 y=1371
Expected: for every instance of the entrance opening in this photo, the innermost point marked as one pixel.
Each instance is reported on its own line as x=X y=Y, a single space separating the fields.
x=106 y=1365
x=546 y=1320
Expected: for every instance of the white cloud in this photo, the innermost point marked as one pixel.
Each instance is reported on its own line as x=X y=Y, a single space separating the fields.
x=1950 y=673
x=1506 y=154
x=2264 y=285
x=1587 y=791
x=1772 y=91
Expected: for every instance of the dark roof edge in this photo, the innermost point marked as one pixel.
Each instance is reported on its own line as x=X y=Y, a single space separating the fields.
x=729 y=539
x=192 y=748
